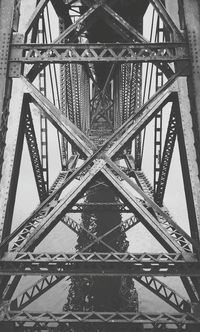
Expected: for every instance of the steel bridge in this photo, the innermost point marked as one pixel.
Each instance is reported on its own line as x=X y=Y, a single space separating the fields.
x=99 y=93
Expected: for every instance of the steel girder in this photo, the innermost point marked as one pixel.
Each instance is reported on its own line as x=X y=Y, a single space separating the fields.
x=166 y=157
x=84 y=53
x=34 y=292
x=71 y=33
x=166 y=293
x=128 y=33
x=9 y=188
x=153 y=284
x=34 y=153
x=190 y=10
x=162 y=320
x=79 y=207
x=97 y=264
x=45 y=284
x=160 y=36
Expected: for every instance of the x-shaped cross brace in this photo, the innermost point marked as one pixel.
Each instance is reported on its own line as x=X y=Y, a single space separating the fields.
x=100 y=161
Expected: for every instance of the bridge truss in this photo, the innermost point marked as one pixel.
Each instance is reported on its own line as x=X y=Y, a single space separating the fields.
x=53 y=97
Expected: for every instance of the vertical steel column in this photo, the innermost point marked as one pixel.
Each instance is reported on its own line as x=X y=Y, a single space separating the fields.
x=43 y=119
x=6 y=24
x=189 y=103
x=192 y=20
x=9 y=17
x=65 y=100
x=137 y=72
x=158 y=117
x=84 y=100
x=10 y=180
x=117 y=98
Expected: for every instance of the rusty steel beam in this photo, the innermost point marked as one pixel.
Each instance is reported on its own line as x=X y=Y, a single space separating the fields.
x=86 y=53
x=106 y=263
x=34 y=292
x=166 y=293
x=153 y=284
x=166 y=157
x=34 y=154
x=45 y=319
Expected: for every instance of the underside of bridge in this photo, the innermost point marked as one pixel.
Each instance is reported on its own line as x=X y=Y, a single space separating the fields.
x=99 y=165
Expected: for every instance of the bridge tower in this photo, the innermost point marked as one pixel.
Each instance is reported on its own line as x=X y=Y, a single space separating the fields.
x=99 y=165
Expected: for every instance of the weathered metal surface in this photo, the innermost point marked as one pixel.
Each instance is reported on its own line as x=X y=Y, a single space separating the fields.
x=109 y=264
x=45 y=319
x=34 y=153
x=15 y=67
x=192 y=20
x=6 y=22
x=166 y=157
x=80 y=53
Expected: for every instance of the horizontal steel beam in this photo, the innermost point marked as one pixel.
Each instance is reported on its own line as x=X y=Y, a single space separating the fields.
x=80 y=53
x=106 y=264
x=95 y=206
x=152 y=319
